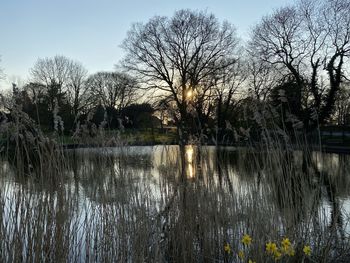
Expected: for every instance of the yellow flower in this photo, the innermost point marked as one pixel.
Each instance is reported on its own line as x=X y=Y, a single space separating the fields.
x=288 y=251
x=241 y=254
x=227 y=248
x=271 y=247
x=286 y=243
x=277 y=255
x=307 y=250
x=286 y=247
x=251 y=261
x=246 y=240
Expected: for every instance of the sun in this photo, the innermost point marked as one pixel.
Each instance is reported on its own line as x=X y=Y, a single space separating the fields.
x=189 y=94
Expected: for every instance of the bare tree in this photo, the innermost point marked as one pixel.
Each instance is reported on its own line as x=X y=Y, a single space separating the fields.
x=176 y=55
x=52 y=73
x=226 y=93
x=308 y=42
x=62 y=79
x=112 y=90
x=262 y=78
x=77 y=92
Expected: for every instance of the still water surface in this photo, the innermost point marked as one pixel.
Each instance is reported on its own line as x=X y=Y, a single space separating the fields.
x=148 y=178
x=93 y=173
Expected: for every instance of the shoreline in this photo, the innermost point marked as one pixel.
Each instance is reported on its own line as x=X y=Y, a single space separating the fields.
x=340 y=149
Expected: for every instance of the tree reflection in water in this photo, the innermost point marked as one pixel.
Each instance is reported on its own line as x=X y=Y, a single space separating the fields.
x=164 y=203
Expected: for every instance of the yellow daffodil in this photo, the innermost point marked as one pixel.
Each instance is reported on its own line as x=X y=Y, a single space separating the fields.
x=227 y=248
x=277 y=255
x=271 y=247
x=241 y=254
x=251 y=261
x=307 y=250
x=286 y=247
x=246 y=240
x=288 y=251
x=286 y=243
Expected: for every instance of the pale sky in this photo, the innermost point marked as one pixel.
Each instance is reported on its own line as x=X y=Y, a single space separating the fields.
x=91 y=31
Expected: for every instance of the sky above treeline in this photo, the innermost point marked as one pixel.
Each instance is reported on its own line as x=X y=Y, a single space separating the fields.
x=91 y=31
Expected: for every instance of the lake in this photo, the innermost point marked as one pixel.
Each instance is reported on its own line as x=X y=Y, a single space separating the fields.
x=166 y=204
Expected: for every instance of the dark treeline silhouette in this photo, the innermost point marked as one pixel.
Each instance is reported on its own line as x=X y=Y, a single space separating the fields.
x=61 y=96
x=194 y=72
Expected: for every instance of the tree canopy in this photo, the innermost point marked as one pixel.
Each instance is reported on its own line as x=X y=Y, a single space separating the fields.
x=309 y=42
x=181 y=55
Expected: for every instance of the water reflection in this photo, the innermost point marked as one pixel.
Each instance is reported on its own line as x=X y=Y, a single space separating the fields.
x=189 y=162
x=180 y=194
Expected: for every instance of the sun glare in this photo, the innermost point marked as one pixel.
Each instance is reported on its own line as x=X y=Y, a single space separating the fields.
x=190 y=170
x=189 y=94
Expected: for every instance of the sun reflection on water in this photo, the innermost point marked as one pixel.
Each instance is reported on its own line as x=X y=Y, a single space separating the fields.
x=189 y=159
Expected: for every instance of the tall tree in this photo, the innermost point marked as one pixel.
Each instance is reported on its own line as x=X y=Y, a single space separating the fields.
x=60 y=82
x=308 y=42
x=227 y=84
x=174 y=56
x=261 y=78
x=113 y=89
x=77 y=92
x=53 y=74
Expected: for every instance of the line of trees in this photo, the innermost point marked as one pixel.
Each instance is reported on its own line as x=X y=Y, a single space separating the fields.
x=62 y=95
x=300 y=51
x=204 y=79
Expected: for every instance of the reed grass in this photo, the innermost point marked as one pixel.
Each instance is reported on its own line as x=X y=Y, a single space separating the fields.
x=171 y=203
